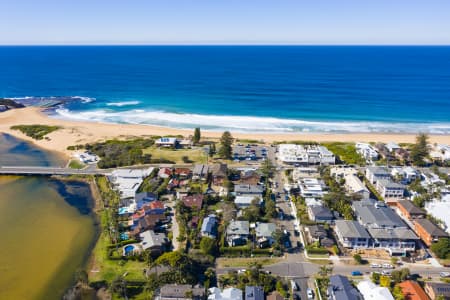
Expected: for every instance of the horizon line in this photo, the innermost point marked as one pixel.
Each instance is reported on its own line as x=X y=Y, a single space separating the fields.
x=225 y=44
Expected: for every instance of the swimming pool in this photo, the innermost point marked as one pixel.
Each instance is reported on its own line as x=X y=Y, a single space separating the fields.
x=128 y=249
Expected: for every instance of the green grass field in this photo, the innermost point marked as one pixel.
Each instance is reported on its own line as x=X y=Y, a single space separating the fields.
x=193 y=155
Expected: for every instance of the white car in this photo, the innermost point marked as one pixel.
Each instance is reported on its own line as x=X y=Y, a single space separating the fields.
x=309 y=293
x=388 y=266
x=386 y=272
x=375 y=266
x=444 y=274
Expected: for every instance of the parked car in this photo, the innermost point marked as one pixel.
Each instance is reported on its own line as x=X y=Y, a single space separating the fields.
x=294 y=285
x=386 y=272
x=444 y=274
x=309 y=293
x=356 y=273
x=375 y=265
x=388 y=266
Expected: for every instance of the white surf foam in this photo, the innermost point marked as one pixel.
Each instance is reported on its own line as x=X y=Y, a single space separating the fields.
x=123 y=103
x=247 y=123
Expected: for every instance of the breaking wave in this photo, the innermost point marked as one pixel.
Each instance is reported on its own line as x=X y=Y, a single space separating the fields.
x=247 y=123
x=124 y=103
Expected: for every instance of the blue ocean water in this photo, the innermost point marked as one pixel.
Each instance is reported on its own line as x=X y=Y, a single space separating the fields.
x=242 y=88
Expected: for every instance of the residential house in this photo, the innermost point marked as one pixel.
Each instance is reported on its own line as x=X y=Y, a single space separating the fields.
x=373 y=174
x=231 y=293
x=219 y=173
x=391 y=146
x=389 y=189
x=436 y=289
x=340 y=288
x=249 y=177
x=148 y=222
x=193 y=201
x=154 y=208
x=352 y=183
x=428 y=231
x=185 y=143
x=245 y=201
x=409 y=211
x=274 y=296
x=182 y=173
x=311 y=187
x=264 y=234
x=320 y=214
x=440 y=152
x=209 y=227
x=370 y=291
x=154 y=242
x=304 y=155
x=249 y=190
x=166 y=142
x=406 y=174
x=181 y=292
x=385 y=227
x=411 y=290
x=351 y=234
x=144 y=198
x=254 y=293
x=237 y=233
x=128 y=181
x=367 y=151
x=314 y=233
x=165 y=173
x=200 y=172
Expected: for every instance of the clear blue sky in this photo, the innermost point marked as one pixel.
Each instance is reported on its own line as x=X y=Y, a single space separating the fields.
x=224 y=22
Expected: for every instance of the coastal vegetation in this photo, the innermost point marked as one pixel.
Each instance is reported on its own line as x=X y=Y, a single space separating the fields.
x=37 y=132
x=420 y=150
x=345 y=152
x=197 y=136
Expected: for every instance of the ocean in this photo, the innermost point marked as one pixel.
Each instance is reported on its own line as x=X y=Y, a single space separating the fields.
x=401 y=89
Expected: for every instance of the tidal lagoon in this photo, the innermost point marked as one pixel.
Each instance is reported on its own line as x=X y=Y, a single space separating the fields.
x=47 y=229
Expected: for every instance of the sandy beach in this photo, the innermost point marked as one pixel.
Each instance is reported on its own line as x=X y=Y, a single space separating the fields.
x=74 y=132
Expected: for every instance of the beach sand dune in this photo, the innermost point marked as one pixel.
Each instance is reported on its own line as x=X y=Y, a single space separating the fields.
x=74 y=132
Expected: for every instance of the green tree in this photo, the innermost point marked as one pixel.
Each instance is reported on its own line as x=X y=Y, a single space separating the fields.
x=385 y=281
x=253 y=212
x=270 y=209
x=397 y=293
x=420 y=150
x=119 y=286
x=197 y=135
x=358 y=258
x=208 y=246
x=376 y=277
x=441 y=248
x=226 y=142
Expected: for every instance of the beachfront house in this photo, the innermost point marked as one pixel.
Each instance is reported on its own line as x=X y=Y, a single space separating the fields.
x=373 y=174
x=166 y=142
x=367 y=151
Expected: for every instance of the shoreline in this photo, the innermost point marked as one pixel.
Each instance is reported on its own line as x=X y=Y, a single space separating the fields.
x=82 y=132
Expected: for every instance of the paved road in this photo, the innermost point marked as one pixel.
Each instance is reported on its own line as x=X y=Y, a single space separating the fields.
x=50 y=171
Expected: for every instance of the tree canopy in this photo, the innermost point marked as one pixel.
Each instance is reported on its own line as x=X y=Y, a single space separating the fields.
x=441 y=248
x=197 y=135
x=226 y=142
x=420 y=150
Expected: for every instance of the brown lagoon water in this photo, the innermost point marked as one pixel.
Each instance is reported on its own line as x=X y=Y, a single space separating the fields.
x=46 y=228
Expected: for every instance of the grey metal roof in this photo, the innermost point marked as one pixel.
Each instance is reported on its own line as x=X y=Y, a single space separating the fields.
x=391 y=184
x=209 y=224
x=254 y=293
x=265 y=229
x=238 y=228
x=351 y=229
x=321 y=212
x=340 y=288
x=379 y=170
x=151 y=239
x=376 y=214
x=248 y=189
x=410 y=207
x=431 y=228
x=395 y=233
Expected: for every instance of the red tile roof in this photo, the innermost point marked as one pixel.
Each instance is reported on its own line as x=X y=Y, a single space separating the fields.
x=193 y=201
x=412 y=291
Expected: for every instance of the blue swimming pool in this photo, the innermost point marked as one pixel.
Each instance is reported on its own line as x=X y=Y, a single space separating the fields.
x=128 y=249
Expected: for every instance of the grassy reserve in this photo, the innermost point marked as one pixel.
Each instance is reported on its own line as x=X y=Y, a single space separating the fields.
x=37 y=132
x=178 y=156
